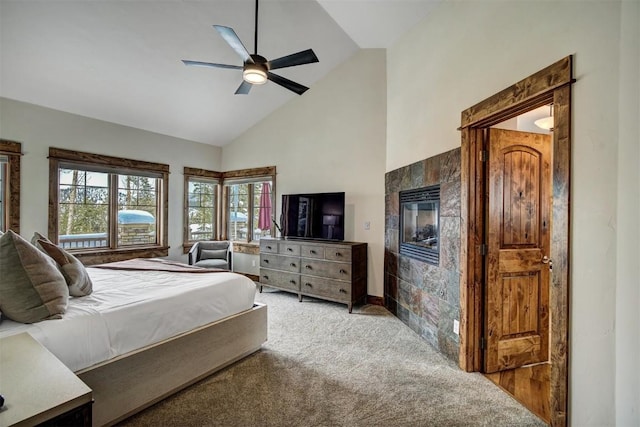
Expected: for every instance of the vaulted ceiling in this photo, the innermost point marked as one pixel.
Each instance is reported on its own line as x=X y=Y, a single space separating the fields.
x=120 y=61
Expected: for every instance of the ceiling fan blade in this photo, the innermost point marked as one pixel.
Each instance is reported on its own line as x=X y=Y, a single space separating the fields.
x=232 y=38
x=211 y=64
x=300 y=58
x=286 y=83
x=244 y=88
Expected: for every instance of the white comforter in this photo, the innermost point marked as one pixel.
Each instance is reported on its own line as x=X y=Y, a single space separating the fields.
x=130 y=309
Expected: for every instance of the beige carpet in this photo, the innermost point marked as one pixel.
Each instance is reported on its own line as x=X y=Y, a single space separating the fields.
x=325 y=367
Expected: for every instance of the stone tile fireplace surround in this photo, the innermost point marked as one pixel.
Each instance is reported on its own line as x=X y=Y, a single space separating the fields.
x=426 y=297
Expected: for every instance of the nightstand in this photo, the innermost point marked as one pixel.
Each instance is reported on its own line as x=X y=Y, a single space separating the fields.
x=38 y=388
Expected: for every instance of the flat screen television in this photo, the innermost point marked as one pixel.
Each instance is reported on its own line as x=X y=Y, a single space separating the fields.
x=313 y=216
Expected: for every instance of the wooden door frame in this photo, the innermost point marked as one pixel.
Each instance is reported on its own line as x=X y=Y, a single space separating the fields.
x=551 y=84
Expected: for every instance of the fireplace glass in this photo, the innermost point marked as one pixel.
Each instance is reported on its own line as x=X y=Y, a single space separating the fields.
x=419 y=223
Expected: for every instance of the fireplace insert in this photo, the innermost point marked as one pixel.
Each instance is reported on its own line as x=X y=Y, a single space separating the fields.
x=419 y=224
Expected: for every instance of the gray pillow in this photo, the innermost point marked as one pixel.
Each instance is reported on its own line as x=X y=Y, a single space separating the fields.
x=72 y=269
x=213 y=254
x=31 y=286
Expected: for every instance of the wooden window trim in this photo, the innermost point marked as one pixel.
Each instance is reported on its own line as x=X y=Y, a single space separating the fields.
x=119 y=165
x=13 y=151
x=248 y=173
x=552 y=84
x=205 y=174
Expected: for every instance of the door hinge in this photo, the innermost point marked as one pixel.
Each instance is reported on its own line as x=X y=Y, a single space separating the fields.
x=483 y=249
x=484 y=155
x=482 y=343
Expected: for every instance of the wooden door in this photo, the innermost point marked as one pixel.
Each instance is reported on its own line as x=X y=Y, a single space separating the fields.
x=518 y=245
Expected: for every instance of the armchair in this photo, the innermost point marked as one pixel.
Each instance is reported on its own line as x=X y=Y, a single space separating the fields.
x=211 y=254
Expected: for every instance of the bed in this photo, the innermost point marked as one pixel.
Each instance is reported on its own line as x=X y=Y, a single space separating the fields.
x=146 y=332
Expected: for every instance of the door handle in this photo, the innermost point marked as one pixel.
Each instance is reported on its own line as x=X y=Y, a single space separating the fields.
x=546 y=260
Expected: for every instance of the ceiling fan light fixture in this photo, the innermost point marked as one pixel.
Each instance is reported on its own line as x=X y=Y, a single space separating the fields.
x=545 y=123
x=254 y=74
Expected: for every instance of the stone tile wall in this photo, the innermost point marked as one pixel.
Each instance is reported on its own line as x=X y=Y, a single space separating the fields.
x=424 y=296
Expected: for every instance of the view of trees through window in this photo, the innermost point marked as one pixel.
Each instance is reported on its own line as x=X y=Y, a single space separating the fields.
x=84 y=208
x=249 y=208
x=238 y=210
x=202 y=209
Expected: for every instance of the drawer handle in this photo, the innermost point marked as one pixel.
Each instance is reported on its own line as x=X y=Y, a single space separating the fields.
x=313 y=251
x=342 y=291
x=308 y=285
x=343 y=271
x=290 y=250
x=293 y=282
x=338 y=254
x=266 y=261
x=265 y=277
x=268 y=247
x=293 y=264
x=308 y=267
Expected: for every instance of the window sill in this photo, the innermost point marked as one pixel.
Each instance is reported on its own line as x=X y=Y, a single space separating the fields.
x=111 y=255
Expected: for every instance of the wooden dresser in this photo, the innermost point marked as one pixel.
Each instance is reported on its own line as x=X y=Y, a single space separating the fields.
x=334 y=271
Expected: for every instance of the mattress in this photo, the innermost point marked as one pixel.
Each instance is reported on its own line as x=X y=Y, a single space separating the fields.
x=130 y=309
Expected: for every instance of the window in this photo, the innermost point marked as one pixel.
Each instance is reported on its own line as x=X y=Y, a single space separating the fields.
x=243 y=214
x=249 y=206
x=201 y=207
x=83 y=208
x=10 y=153
x=104 y=204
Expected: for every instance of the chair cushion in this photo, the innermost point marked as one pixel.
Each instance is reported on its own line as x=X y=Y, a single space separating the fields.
x=213 y=263
x=213 y=245
x=213 y=254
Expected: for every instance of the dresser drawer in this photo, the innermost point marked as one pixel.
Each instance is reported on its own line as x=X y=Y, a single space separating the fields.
x=280 y=262
x=333 y=289
x=312 y=251
x=291 y=249
x=280 y=279
x=338 y=254
x=332 y=270
x=268 y=246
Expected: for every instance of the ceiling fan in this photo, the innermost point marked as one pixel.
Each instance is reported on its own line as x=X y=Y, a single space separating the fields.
x=257 y=69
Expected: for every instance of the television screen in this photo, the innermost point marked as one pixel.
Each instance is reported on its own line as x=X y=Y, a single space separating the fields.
x=313 y=216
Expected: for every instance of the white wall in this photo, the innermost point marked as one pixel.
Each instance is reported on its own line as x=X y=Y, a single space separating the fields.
x=466 y=51
x=331 y=139
x=39 y=128
x=627 y=319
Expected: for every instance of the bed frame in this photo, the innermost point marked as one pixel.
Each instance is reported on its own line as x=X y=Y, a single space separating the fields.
x=129 y=383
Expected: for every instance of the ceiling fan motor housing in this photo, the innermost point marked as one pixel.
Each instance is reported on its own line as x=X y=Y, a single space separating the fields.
x=256 y=72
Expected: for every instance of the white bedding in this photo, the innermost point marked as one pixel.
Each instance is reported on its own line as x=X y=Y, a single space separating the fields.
x=130 y=309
